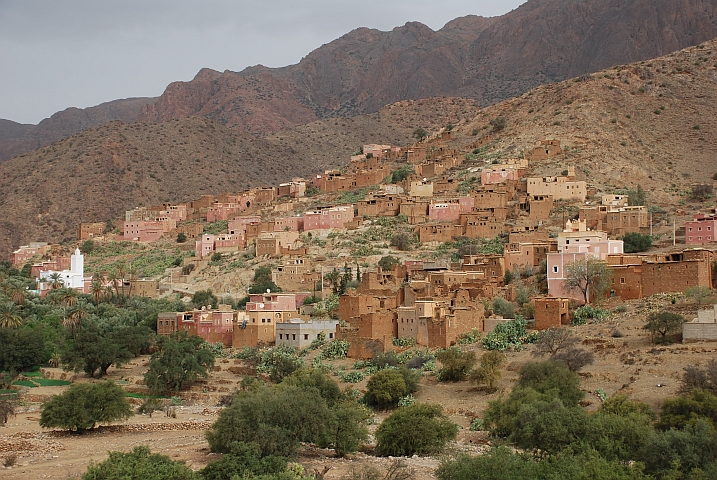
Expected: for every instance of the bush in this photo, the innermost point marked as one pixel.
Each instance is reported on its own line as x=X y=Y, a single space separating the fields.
x=82 y=406
x=140 y=463
x=279 y=362
x=702 y=192
x=244 y=460
x=636 y=242
x=181 y=237
x=204 y=298
x=582 y=314
x=387 y=262
x=401 y=241
x=554 y=378
x=418 y=429
x=489 y=373
x=457 y=364
x=385 y=388
x=688 y=409
x=498 y=124
x=179 y=362
x=503 y=307
x=509 y=334
x=7 y=408
x=662 y=325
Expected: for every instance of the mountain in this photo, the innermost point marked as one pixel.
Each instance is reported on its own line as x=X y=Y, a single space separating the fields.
x=16 y=138
x=97 y=174
x=486 y=59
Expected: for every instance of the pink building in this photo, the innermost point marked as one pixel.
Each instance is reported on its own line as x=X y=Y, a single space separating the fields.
x=212 y=325
x=450 y=210
x=703 y=229
x=145 y=231
x=57 y=264
x=221 y=243
x=334 y=217
x=26 y=252
x=222 y=211
x=289 y=224
x=500 y=175
x=238 y=225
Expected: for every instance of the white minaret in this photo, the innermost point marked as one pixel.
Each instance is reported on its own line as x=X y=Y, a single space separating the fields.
x=77 y=263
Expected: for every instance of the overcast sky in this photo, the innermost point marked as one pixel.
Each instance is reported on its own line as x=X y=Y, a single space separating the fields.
x=56 y=54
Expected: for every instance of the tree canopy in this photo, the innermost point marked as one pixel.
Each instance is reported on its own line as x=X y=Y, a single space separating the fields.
x=180 y=361
x=84 y=405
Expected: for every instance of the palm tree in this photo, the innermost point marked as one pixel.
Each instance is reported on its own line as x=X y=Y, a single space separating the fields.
x=55 y=281
x=75 y=315
x=132 y=272
x=121 y=272
x=16 y=291
x=113 y=279
x=9 y=315
x=97 y=289
x=68 y=296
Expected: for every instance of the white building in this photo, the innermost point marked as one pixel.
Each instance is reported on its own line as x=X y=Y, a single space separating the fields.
x=72 y=278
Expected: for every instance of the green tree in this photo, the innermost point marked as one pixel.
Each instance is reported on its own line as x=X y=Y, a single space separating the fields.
x=92 y=351
x=84 y=405
x=21 y=349
x=9 y=315
x=244 y=460
x=420 y=134
x=181 y=237
x=277 y=418
x=456 y=364
x=489 y=373
x=204 y=298
x=88 y=246
x=387 y=262
x=698 y=293
x=688 y=409
x=636 y=242
x=180 y=361
x=139 y=464
x=663 y=324
x=419 y=428
x=636 y=197
x=552 y=378
x=385 y=388
x=590 y=276
x=279 y=362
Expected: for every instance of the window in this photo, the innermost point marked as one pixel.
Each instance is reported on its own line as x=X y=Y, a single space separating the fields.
x=331 y=335
x=293 y=335
x=281 y=336
x=306 y=336
x=555 y=269
x=622 y=280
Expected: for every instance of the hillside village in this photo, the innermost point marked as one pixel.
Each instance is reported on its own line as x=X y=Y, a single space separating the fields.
x=412 y=242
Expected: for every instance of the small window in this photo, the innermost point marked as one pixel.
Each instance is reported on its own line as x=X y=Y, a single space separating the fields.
x=622 y=280
x=306 y=336
x=331 y=335
x=555 y=269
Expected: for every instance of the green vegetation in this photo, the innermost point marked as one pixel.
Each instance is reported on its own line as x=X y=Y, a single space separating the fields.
x=386 y=263
x=582 y=314
x=489 y=373
x=510 y=334
x=420 y=134
x=263 y=281
x=418 y=429
x=179 y=361
x=353 y=196
x=386 y=387
x=456 y=249
x=217 y=227
x=457 y=364
x=401 y=174
x=84 y=405
x=636 y=242
x=590 y=276
x=138 y=464
x=663 y=325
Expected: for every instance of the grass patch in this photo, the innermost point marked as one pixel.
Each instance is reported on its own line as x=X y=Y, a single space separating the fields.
x=49 y=382
x=143 y=395
x=31 y=374
x=24 y=383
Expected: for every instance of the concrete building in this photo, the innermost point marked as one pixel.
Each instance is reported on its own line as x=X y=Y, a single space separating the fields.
x=704 y=327
x=212 y=325
x=73 y=278
x=299 y=333
x=558 y=188
x=702 y=230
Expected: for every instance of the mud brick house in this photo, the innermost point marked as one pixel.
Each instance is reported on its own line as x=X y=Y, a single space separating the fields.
x=291 y=274
x=558 y=188
x=88 y=231
x=538 y=206
x=212 y=325
x=56 y=264
x=491 y=266
x=239 y=223
x=416 y=211
x=439 y=232
x=274 y=244
x=144 y=287
x=525 y=234
x=263 y=312
x=221 y=243
x=26 y=252
x=420 y=188
x=626 y=220
x=485 y=227
x=487 y=197
x=147 y=231
x=289 y=224
x=501 y=175
x=191 y=230
x=436 y=324
x=380 y=205
x=551 y=312
x=530 y=254
x=616 y=201
x=417 y=154
x=446 y=185
x=543 y=149
x=299 y=333
x=327 y=218
x=264 y=196
x=638 y=276
x=222 y=211
x=254 y=230
x=701 y=230
x=205 y=201
x=296 y=188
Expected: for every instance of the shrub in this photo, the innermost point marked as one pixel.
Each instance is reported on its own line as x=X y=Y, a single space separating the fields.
x=401 y=241
x=457 y=364
x=386 y=263
x=510 y=334
x=139 y=463
x=681 y=411
x=696 y=377
x=180 y=361
x=582 y=314
x=498 y=124
x=181 y=237
x=82 y=406
x=204 y=298
x=636 y=242
x=244 y=460
x=554 y=377
x=702 y=192
x=335 y=349
x=418 y=429
x=664 y=324
x=385 y=388
x=279 y=362
x=7 y=408
x=489 y=373
x=503 y=307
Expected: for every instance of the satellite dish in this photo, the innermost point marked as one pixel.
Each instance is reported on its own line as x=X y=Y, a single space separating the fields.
x=261 y=305
x=268 y=290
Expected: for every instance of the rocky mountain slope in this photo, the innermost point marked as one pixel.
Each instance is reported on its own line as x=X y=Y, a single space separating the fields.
x=486 y=59
x=16 y=138
x=98 y=174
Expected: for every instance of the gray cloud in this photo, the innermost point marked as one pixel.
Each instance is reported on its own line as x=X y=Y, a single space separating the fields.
x=84 y=52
